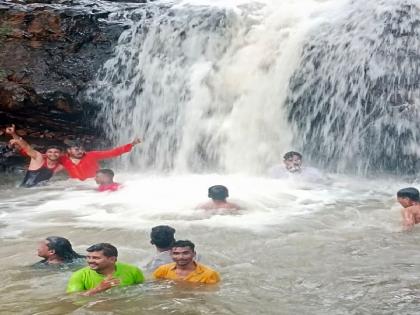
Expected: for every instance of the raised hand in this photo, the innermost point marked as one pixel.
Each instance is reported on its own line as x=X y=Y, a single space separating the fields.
x=11 y=130
x=136 y=141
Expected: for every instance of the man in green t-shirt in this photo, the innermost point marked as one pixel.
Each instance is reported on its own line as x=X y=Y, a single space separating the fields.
x=104 y=272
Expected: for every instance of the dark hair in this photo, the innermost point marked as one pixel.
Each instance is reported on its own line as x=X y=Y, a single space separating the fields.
x=291 y=154
x=74 y=144
x=185 y=243
x=162 y=236
x=218 y=192
x=57 y=147
x=106 y=171
x=62 y=248
x=410 y=193
x=108 y=249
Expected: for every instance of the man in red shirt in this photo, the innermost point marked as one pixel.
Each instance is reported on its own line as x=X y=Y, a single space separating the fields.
x=105 y=179
x=83 y=165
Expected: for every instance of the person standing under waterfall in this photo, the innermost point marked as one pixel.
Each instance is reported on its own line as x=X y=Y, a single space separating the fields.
x=292 y=166
x=409 y=198
x=83 y=165
x=42 y=166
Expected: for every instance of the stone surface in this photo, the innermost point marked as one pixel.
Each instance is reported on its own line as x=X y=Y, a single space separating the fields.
x=49 y=52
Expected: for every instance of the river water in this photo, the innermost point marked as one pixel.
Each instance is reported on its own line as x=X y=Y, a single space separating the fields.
x=297 y=248
x=205 y=84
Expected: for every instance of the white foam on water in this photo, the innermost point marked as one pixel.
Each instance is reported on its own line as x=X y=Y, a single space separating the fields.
x=204 y=82
x=149 y=200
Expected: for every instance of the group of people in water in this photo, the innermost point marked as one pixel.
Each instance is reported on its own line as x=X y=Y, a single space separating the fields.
x=175 y=261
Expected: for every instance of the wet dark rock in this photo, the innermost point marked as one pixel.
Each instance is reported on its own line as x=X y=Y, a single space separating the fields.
x=49 y=52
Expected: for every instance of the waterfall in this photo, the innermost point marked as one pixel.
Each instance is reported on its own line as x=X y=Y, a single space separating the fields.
x=354 y=99
x=204 y=84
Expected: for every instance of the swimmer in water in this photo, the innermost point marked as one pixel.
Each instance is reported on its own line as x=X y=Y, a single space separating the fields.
x=162 y=237
x=218 y=195
x=103 y=272
x=409 y=198
x=56 y=250
x=292 y=166
x=184 y=266
x=42 y=166
x=105 y=179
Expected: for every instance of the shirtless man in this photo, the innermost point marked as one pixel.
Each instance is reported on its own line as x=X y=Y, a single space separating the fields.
x=409 y=198
x=42 y=166
x=218 y=195
x=292 y=168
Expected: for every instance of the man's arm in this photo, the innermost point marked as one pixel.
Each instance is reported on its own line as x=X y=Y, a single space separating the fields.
x=37 y=158
x=101 y=155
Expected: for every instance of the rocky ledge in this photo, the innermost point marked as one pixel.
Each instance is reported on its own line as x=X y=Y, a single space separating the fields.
x=49 y=53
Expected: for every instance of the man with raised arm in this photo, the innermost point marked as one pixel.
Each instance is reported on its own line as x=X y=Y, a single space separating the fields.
x=42 y=166
x=184 y=267
x=103 y=272
x=83 y=165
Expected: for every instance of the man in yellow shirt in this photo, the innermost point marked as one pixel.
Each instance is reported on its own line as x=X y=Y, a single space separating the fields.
x=184 y=267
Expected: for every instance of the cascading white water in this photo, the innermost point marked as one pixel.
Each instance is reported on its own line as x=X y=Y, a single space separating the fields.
x=204 y=83
x=354 y=100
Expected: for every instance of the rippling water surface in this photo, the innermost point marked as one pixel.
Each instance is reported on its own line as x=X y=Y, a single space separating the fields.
x=297 y=248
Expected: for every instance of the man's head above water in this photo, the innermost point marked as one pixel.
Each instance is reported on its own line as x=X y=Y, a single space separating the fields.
x=56 y=249
x=409 y=196
x=104 y=176
x=183 y=253
x=162 y=236
x=53 y=152
x=101 y=256
x=293 y=161
x=218 y=192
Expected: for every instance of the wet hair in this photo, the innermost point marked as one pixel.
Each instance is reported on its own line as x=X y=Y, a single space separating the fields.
x=75 y=144
x=218 y=192
x=185 y=243
x=57 y=147
x=62 y=248
x=410 y=193
x=162 y=236
x=291 y=154
x=107 y=249
x=106 y=171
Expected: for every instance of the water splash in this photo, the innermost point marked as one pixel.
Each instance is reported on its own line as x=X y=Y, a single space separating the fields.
x=354 y=100
x=204 y=85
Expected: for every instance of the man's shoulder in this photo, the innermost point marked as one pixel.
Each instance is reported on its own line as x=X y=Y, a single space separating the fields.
x=127 y=267
x=205 y=269
x=414 y=209
x=82 y=271
x=165 y=267
x=207 y=274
